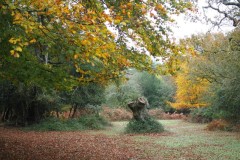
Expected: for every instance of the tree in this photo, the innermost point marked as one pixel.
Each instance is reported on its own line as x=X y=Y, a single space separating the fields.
x=157 y=90
x=89 y=96
x=22 y=105
x=120 y=93
x=217 y=61
x=139 y=107
x=36 y=28
x=189 y=91
x=45 y=42
x=142 y=122
x=227 y=9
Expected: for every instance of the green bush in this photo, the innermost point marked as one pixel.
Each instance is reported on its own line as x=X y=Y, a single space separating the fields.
x=83 y=123
x=202 y=115
x=148 y=126
x=93 y=121
x=55 y=124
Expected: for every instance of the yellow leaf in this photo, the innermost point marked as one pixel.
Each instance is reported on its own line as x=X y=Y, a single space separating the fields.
x=33 y=40
x=19 y=49
x=76 y=56
x=84 y=42
x=16 y=55
x=12 y=52
x=73 y=31
x=129 y=14
x=117 y=21
x=123 y=23
x=25 y=43
x=129 y=5
x=12 y=40
x=17 y=17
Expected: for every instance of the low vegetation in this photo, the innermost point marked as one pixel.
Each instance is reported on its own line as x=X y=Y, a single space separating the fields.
x=94 y=122
x=148 y=126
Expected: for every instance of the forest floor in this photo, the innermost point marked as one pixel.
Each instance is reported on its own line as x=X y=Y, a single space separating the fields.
x=180 y=141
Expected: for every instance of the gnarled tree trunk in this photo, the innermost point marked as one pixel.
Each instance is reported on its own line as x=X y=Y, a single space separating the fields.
x=139 y=108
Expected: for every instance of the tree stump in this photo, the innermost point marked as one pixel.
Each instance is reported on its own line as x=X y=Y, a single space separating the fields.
x=139 y=109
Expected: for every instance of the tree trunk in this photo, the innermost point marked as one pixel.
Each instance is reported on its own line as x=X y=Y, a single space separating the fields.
x=139 y=109
x=74 y=110
x=57 y=112
x=69 y=115
x=4 y=114
x=36 y=113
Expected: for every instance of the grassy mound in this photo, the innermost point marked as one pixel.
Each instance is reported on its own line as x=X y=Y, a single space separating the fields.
x=94 y=122
x=148 y=126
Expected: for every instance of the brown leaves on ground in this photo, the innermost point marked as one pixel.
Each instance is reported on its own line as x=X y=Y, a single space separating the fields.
x=16 y=144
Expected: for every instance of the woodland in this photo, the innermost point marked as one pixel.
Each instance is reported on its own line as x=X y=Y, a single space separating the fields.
x=100 y=79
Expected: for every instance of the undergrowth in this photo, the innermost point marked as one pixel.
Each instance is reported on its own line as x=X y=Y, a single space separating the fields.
x=94 y=122
x=147 y=126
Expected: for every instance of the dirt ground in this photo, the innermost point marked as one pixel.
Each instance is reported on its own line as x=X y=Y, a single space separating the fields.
x=181 y=140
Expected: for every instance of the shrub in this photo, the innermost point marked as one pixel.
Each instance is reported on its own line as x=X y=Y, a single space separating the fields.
x=148 y=126
x=83 y=123
x=93 y=121
x=223 y=125
x=55 y=124
x=173 y=116
x=156 y=113
x=116 y=114
x=201 y=115
x=219 y=124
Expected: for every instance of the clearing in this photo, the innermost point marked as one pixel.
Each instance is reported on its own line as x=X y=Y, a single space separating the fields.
x=180 y=141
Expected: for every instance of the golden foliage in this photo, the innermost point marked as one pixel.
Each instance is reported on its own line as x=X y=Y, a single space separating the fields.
x=189 y=90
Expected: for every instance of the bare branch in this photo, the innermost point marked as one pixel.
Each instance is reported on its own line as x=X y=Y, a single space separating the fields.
x=235 y=20
x=232 y=3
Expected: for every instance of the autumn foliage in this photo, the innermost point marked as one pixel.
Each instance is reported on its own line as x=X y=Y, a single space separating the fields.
x=189 y=91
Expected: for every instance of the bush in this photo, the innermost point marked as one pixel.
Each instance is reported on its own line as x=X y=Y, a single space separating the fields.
x=219 y=124
x=174 y=116
x=201 y=115
x=83 y=123
x=148 y=126
x=93 y=121
x=55 y=124
x=116 y=114
x=156 y=113
x=223 y=125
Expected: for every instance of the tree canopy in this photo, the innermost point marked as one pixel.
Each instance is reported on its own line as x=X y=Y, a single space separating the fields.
x=212 y=75
x=58 y=51
x=52 y=38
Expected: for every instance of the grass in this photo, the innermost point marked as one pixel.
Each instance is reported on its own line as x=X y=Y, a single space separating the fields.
x=183 y=140
x=180 y=140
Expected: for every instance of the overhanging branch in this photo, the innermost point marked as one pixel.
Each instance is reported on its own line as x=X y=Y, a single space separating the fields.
x=235 y=20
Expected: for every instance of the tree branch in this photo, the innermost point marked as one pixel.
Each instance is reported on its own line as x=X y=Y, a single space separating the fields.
x=232 y=3
x=235 y=21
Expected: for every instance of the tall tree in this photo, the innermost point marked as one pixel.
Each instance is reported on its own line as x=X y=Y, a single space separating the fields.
x=217 y=61
x=189 y=90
